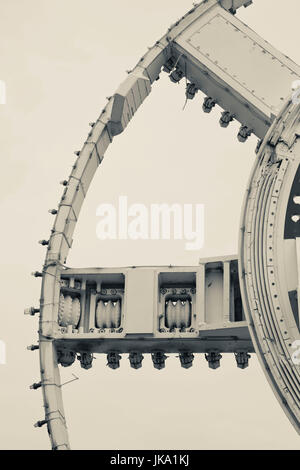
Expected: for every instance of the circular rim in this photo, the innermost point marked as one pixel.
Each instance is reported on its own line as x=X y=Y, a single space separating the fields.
x=266 y=255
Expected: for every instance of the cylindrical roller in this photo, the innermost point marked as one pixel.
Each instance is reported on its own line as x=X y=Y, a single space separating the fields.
x=178 y=310
x=242 y=359
x=75 y=311
x=116 y=314
x=170 y=315
x=101 y=314
x=108 y=314
x=178 y=314
x=68 y=311
x=186 y=313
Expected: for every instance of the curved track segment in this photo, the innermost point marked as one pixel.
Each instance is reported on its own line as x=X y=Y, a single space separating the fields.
x=268 y=258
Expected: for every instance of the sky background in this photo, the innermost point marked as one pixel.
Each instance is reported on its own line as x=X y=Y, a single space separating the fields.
x=60 y=59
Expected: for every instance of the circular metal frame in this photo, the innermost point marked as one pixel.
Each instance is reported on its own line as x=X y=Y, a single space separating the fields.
x=267 y=257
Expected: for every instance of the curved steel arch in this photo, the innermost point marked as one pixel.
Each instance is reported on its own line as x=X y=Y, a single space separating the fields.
x=259 y=281
x=267 y=254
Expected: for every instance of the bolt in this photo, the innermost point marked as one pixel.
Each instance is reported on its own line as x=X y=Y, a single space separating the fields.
x=37 y=274
x=44 y=242
x=31 y=311
x=32 y=347
x=39 y=424
x=35 y=386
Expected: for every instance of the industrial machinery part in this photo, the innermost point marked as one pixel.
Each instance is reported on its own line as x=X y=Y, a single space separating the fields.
x=176 y=75
x=68 y=310
x=65 y=358
x=159 y=360
x=226 y=119
x=177 y=304
x=213 y=358
x=108 y=314
x=86 y=360
x=269 y=253
x=208 y=104
x=186 y=359
x=178 y=314
x=191 y=91
x=244 y=133
x=113 y=360
x=32 y=347
x=136 y=359
x=242 y=359
x=197 y=309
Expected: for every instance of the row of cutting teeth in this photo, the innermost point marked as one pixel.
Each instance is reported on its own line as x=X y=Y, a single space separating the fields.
x=67 y=358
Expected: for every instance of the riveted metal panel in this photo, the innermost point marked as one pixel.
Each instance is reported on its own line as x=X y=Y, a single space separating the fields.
x=243 y=64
